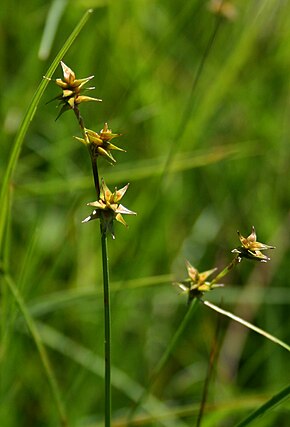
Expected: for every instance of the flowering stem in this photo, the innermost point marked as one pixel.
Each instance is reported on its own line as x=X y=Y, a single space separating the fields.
x=107 y=321
x=226 y=270
x=105 y=264
x=96 y=175
x=247 y=324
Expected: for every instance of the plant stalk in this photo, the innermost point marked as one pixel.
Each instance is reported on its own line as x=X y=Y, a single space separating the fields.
x=107 y=322
x=226 y=270
x=92 y=156
x=247 y=324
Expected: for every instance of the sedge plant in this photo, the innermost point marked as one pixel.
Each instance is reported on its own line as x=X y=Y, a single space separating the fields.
x=107 y=207
x=195 y=286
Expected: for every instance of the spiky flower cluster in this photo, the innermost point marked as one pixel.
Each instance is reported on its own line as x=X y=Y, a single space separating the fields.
x=251 y=249
x=196 y=283
x=107 y=207
x=72 y=89
x=100 y=144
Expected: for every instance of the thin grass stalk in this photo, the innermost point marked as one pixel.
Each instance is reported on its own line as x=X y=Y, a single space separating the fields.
x=93 y=158
x=4 y=291
x=41 y=350
x=275 y=400
x=168 y=351
x=107 y=326
x=247 y=324
x=96 y=176
x=90 y=361
x=226 y=270
x=106 y=287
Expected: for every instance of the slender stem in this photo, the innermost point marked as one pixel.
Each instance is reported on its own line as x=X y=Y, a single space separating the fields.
x=107 y=320
x=96 y=175
x=105 y=263
x=80 y=121
x=247 y=324
x=41 y=349
x=93 y=157
x=168 y=351
x=226 y=270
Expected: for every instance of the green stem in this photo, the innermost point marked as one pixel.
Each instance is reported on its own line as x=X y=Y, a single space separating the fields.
x=92 y=155
x=107 y=320
x=168 y=351
x=226 y=270
x=247 y=324
x=41 y=349
x=96 y=176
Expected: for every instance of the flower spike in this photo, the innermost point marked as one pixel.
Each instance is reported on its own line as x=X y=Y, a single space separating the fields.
x=251 y=249
x=195 y=285
x=108 y=208
x=100 y=144
x=71 y=90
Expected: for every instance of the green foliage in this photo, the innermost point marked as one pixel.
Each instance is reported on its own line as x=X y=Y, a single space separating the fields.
x=228 y=171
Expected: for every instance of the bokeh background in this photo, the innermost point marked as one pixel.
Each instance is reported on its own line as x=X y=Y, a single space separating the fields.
x=203 y=106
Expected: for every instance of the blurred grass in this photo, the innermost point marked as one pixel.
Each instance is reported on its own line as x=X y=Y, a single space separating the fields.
x=229 y=172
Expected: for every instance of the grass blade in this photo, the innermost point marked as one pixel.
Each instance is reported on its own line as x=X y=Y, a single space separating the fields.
x=275 y=400
x=247 y=324
x=26 y=122
x=40 y=347
x=94 y=363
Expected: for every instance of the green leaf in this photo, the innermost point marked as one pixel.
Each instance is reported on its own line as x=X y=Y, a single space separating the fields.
x=275 y=400
x=11 y=166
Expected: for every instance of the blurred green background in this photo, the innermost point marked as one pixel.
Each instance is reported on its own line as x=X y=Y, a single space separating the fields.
x=228 y=135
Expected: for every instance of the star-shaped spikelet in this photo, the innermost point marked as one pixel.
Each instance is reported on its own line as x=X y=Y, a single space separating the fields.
x=196 y=283
x=100 y=143
x=71 y=90
x=251 y=249
x=108 y=208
